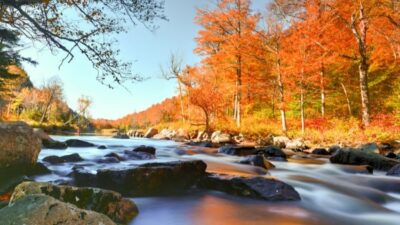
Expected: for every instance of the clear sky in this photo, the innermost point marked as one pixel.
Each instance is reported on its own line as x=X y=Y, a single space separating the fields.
x=145 y=49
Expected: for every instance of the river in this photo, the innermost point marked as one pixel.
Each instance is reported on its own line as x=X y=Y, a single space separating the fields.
x=331 y=194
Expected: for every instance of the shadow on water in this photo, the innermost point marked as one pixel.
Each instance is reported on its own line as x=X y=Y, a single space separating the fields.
x=331 y=194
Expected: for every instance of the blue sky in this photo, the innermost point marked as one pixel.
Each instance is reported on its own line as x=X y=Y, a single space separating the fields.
x=145 y=49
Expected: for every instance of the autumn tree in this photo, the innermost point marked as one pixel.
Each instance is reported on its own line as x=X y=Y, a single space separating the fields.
x=71 y=26
x=225 y=41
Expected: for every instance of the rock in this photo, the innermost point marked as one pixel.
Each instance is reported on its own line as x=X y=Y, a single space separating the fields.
x=46 y=210
x=394 y=171
x=147 y=179
x=280 y=141
x=370 y=148
x=237 y=150
x=109 y=203
x=320 y=151
x=265 y=141
x=202 y=136
x=181 y=135
x=139 y=155
x=121 y=136
x=165 y=134
x=108 y=160
x=19 y=146
x=272 y=153
x=221 y=138
x=333 y=149
x=391 y=155
x=257 y=160
x=356 y=157
x=115 y=155
x=38 y=169
x=150 y=133
x=75 y=143
x=147 y=149
x=53 y=144
x=252 y=187
x=66 y=158
x=205 y=144
x=102 y=147
x=296 y=144
x=362 y=169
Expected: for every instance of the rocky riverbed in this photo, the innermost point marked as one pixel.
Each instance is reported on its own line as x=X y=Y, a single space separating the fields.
x=146 y=181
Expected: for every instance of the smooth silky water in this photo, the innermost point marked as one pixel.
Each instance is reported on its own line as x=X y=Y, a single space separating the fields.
x=331 y=194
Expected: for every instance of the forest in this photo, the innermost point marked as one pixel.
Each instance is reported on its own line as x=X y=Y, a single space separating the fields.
x=324 y=70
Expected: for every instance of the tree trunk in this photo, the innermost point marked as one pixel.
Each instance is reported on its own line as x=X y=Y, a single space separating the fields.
x=238 y=91
x=281 y=95
x=302 y=102
x=46 y=108
x=360 y=34
x=347 y=99
x=181 y=101
x=322 y=84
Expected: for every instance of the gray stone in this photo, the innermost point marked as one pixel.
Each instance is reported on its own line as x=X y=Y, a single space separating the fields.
x=109 y=203
x=45 y=210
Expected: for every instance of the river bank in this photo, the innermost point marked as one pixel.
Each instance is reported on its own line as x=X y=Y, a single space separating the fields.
x=329 y=192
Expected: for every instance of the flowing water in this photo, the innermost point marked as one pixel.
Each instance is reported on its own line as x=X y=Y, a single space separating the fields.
x=331 y=194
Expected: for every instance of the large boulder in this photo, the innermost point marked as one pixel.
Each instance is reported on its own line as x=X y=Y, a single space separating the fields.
x=356 y=157
x=109 y=203
x=237 y=150
x=19 y=150
x=76 y=143
x=146 y=179
x=252 y=187
x=221 y=138
x=19 y=146
x=45 y=210
x=150 y=133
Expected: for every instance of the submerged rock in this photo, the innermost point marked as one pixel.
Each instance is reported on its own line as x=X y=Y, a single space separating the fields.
x=253 y=187
x=394 y=171
x=45 y=210
x=121 y=136
x=53 y=144
x=109 y=203
x=76 y=143
x=138 y=155
x=272 y=153
x=115 y=155
x=205 y=144
x=66 y=158
x=146 y=149
x=237 y=150
x=147 y=179
x=102 y=147
x=357 y=157
x=257 y=160
x=320 y=151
